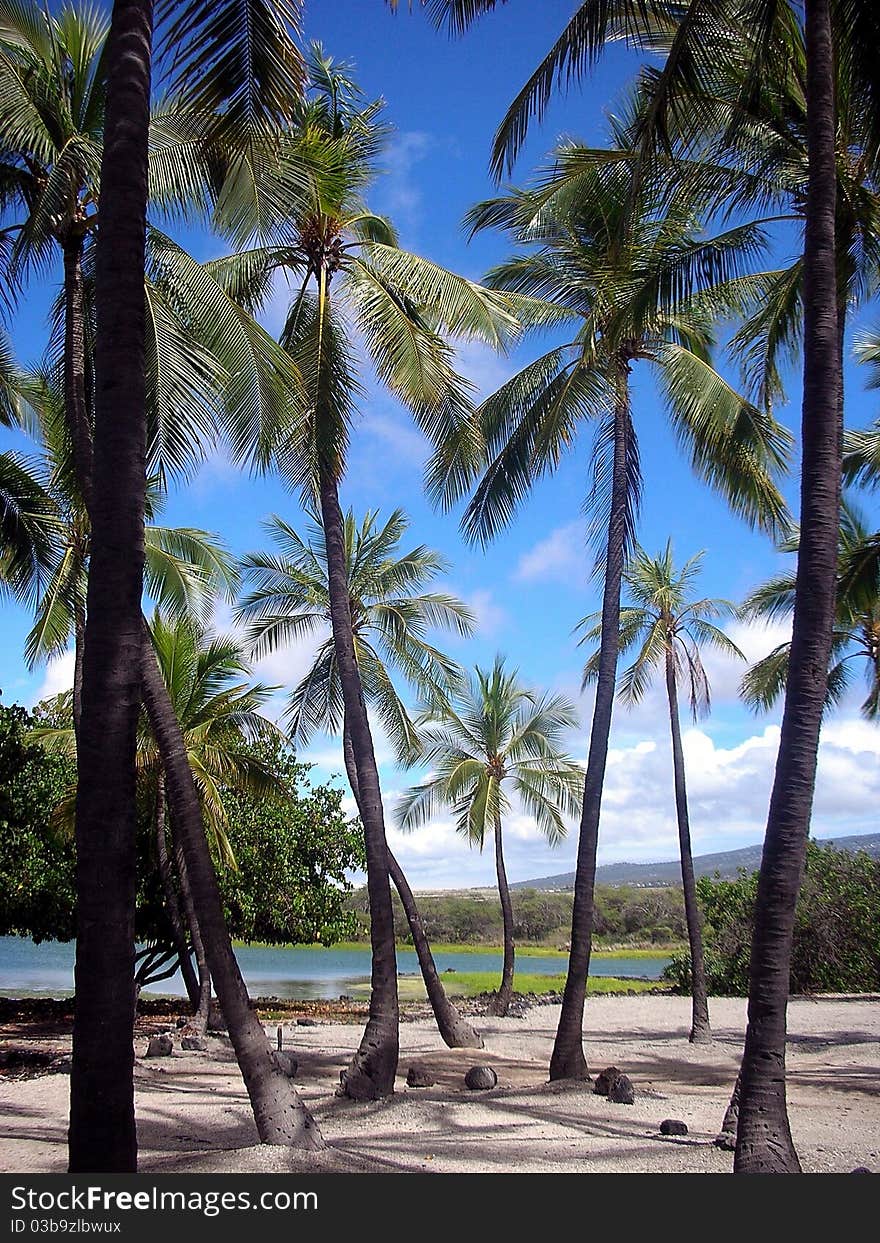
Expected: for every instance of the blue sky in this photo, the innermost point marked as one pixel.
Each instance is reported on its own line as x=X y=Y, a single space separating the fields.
x=530 y=587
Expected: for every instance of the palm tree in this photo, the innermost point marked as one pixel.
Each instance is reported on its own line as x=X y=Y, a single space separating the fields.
x=635 y=281
x=219 y=711
x=391 y=617
x=251 y=76
x=496 y=737
x=669 y=628
x=856 y=634
x=348 y=273
x=698 y=35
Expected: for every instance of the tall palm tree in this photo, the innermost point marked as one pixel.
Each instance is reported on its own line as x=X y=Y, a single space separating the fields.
x=633 y=280
x=856 y=634
x=497 y=738
x=241 y=75
x=697 y=34
x=348 y=273
x=669 y=627
x=392 y=615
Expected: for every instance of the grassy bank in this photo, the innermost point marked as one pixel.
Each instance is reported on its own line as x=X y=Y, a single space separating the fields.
x=524 y=951
x=472 y=983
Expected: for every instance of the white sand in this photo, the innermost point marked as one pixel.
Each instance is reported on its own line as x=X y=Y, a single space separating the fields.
x=193 y=1113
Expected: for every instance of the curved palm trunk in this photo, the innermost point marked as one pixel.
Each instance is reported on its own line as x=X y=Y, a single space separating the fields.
x=764 y=1143
x=102 y=1134
x=280 y=1115
x=455 y=1031
x=726 y=1137
x=202 y=1006
x=178 y=930
x=373 y=1068
x=701 y=1033
x=501 y=1004
x=568 y=1060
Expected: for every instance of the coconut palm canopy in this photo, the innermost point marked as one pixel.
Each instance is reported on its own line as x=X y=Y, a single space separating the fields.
x=392 y=616
x=495 y=740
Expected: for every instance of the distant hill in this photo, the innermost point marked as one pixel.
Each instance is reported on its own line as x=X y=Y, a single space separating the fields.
x=726 y=864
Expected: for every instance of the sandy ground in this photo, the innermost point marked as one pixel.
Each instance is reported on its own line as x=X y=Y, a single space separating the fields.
x=193 y=1113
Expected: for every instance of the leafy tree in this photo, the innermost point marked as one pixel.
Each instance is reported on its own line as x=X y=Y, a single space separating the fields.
x=497 y=736
x=837 y=930
x=668 y=628
x=392 y=615
x=36 y=874
x=293 y=846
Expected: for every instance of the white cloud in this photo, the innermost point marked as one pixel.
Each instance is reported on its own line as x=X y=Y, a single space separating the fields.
x=560 y=557
x=490 y=616
x=57 y=678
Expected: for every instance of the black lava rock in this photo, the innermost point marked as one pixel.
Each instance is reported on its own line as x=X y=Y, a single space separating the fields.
x=480 y=1078
x=672 y=1126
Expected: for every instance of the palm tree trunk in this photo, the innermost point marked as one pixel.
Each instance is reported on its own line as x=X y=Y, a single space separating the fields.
x=373 y=1069
x=172 y=906
x=764 y=1143
x=726 y=1137
x=454 y=1030
x=79 y=636
x=568 y=1060
x=501 y=1004
x=76 y=409
x=202 y=1006
x=280 y=1115
x=102 y=1137
x=701 y=1033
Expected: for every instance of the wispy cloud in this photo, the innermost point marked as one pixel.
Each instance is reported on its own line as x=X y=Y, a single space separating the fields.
x=560 y=557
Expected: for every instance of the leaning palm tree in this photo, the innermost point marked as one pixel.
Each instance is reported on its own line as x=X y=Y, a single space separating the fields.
x=392 y=616
x=219 y=710
x=496 y=739
x=634 y=280
x=350 y=277
x=856 y=634
x=669 y=628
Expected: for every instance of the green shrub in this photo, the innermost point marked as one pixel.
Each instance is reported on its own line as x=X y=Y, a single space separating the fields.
x=836 y=946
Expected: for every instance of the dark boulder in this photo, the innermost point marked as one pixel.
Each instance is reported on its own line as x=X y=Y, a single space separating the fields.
x=194 y=1044
x=419 y=1076
x=480 y=1078
x=672 y=1126
x=621 y=1091
x=160 y=1046
x=604 y=1080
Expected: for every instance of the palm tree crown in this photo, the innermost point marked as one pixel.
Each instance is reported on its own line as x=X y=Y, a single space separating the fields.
x=663 y=619
x=391 y=618
x=497 y=736
x=856 y=633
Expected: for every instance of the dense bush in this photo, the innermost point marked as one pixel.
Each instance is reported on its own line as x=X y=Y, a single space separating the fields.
x=623 y=915
x=837 y=928
x=293 y=850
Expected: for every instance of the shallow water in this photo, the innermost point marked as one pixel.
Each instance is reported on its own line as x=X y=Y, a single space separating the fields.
x=302 y=973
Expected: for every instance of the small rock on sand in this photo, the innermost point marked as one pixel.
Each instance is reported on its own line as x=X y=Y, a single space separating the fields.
x=480 y=1078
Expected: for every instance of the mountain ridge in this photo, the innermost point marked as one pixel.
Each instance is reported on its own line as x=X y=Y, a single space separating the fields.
x=657 y=875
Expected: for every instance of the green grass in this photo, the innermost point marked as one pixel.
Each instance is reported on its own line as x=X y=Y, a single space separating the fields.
x=523 y=951
x=471 y=983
